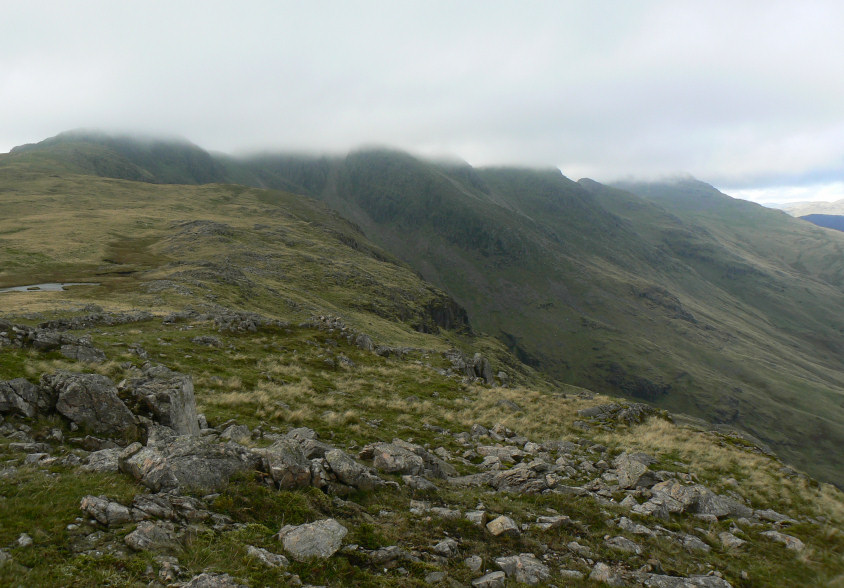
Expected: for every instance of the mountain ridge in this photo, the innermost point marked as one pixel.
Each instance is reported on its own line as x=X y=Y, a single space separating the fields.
x=634 y=288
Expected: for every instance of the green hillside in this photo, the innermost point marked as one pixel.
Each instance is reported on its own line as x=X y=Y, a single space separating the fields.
x=670 y=293
x=250 y=388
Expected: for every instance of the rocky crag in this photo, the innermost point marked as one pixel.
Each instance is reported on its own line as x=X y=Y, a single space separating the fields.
x=147 y=488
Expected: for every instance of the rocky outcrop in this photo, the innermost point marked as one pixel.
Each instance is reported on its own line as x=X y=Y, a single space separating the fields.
x=22 y=397
x=524 y=568
x=184 y=462
x=91 y=401
x=287 y=464
x=167 y=397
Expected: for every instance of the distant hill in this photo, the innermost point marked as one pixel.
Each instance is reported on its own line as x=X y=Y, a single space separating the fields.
x=162 y=161
x=670 y=292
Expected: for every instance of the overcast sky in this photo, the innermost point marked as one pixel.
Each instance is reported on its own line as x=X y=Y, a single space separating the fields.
x=748 y=96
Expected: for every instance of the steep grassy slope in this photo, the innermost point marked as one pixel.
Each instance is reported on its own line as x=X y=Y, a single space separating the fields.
x=719 y=308
x=679 y=295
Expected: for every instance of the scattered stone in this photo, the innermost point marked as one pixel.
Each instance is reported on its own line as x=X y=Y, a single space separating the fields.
x=268 y=558
x=435 y=577
x=661 y=581
x=208 y=580
x=418 y=483
x=168 y=396
x=350 y=472
x=490 y=580
x=623 y=544
x=474 y=563
x=789 y=541
x=104 y=460
x=319 y=539
x=730 y=541
x=24 y=540
x=446 y=548
x=601 y=572
x=106 y=511
x=186 y=463
x=90 y=400
x=503 y=525
x=524 y=568
x=390 y=458
x=477 y=517
x=22 y=397
x=153 y=536
x=632 y=473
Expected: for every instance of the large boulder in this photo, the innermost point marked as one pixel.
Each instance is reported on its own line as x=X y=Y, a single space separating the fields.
x=350 y=472
x=524 y=568
x=632 y=473
x=285 y=461
x=168 y=397
x=319 y=539
x=390 y=458
x=24 y=398
x=91 y=401
x=185 y=462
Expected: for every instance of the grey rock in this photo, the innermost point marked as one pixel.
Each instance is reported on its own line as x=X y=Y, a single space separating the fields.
x=24 y=540
x=477 y=517
x=22 y=397
x=520 y=480
x=319 y=539
x=209 y=580
x=446 y=548
x=524 y=568
x=418 y=483
x=106 y=511
x=390 y=458
x=91 y=401
x=691 y=543
x=490 y=580
x=632 y=473
x=285 y=461
x=662 y=581
x=350 y=472
x=474 y=563
x=83 y=353
x=236 y=433
x=435 y=577
x=623 y=544
x=789 y=541
x=601 y=572
x=730 y=541
x=169 y=397
x=482 y=368
x=104 y=460
x=503 y=525
x=268 y=558
x=544 y=523
x=153 y=536
x=627 y=525
x=186 y=463
x=773 y=516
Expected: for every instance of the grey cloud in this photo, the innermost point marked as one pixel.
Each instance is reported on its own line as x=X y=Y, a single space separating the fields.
x=738 y=94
